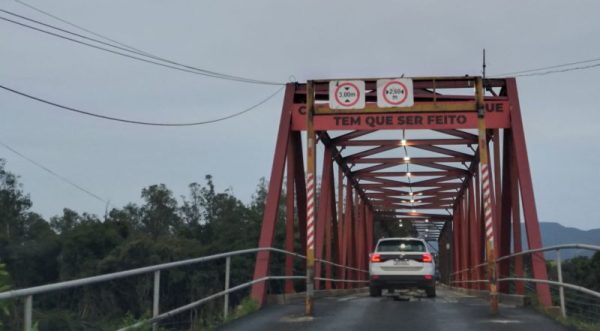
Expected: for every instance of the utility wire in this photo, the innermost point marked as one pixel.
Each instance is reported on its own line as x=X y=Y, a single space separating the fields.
x=66 y=180
x=208 y=73
x=83 y=112
x=213 y=74
x=77 y=26
x=172 y=64
x=549 y=72
x=546 y=68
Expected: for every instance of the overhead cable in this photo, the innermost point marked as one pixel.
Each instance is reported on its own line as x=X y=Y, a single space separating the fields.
x=110 y=118
x=546 y=70
x=549 y=72
x=43 y=12
x=64 y=179
x=171 y=64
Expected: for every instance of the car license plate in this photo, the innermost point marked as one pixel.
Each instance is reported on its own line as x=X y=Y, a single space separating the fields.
x=400 y=262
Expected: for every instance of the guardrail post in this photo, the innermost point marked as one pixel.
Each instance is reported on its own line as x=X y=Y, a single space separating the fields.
x=156 y=297
x=28 y=312
x=561 y=289
x=226 y=301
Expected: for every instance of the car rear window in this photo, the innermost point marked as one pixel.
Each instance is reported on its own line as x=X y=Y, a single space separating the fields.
x=401 y=246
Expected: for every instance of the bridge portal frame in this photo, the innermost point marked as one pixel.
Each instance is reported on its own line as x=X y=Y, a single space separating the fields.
x=344 y=230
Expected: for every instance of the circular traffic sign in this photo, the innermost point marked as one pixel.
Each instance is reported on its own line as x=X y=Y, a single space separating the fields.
x=395 y=92
x=347 y=94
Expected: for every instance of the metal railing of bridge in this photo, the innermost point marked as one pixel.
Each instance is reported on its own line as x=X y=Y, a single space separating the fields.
x=28 y=293
x=560 y=284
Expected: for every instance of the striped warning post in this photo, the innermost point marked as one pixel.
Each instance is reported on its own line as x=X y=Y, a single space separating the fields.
x=310 y=211
x=487 y=202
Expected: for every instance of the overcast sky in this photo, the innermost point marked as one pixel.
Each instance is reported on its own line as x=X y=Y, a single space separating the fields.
x=272 y=40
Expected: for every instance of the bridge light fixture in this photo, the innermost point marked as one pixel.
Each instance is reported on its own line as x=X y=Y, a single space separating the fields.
x=403 y=142
x=407 y=158
x=408 y=174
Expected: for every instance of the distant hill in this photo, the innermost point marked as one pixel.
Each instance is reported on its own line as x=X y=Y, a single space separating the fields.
x=555 y=234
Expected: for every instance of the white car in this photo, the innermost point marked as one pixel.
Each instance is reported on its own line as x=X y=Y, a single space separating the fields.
x=400 y=263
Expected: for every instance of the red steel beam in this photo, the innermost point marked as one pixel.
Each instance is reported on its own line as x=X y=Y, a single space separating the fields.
x=267 y=232
x=442 y=167
x=505 y=211
x=332 y=251
x=351 y=158
x=532 y=226
x=414 y=160
x=346 y=138
x=473 y=234
x=324 y=204
x=300 y=189
x=289 y=220
x=439 y=185
x=371 y=169
x=444 y=151
x=516 y=224
x=409 y=142
x=454 y=173
x=459 y=134
x=349 y=231
x=464 y=245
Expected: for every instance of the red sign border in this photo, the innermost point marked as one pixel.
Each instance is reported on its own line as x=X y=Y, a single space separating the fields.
x=389 y=101
x=337 y=88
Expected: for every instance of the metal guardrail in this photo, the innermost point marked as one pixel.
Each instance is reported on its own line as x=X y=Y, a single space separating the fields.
x=28 y=293
x=561 y=285
x=537 y=250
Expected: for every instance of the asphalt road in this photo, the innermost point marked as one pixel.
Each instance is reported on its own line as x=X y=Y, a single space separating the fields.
x=449 y=311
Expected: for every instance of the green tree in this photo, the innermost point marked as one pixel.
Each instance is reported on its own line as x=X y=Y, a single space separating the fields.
x=66 y=222
x=14 y=205
x=4 y=286
x=159 y=213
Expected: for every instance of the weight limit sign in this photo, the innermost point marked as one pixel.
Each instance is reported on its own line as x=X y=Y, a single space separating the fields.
x=396 y=92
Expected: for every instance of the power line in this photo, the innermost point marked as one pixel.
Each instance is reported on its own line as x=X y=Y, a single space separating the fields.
x=213 y=74
x=544 y=73
x=172 y=64
x=64 y=179
x=519 y=73
x=76 y=26
x=83 y=112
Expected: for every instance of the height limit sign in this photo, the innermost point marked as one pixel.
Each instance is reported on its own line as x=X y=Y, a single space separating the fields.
x=396 y=92
x=346 y=94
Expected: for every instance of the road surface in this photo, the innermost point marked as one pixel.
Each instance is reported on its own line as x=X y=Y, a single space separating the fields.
x=450 y=310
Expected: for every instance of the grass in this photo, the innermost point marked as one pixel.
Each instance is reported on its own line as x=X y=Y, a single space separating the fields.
x=569 y=321
x=246 y=307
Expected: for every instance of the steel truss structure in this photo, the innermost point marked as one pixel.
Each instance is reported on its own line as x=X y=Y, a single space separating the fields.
x=438 y=185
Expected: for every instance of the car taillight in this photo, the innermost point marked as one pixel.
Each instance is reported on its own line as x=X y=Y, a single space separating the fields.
x=427 y=258
x=375 y=257
x=428 y=277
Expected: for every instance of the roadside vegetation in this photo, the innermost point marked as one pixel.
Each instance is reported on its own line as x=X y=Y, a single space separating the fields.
x=583 y=310
x=164 y=228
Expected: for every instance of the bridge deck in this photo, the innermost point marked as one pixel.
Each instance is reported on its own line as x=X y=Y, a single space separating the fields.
x=449 y=311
